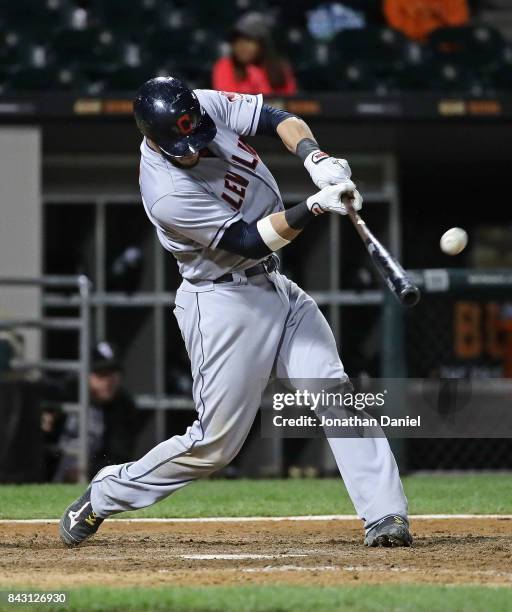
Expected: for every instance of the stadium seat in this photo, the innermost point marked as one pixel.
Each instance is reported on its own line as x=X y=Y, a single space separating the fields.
x=339 y=77
x=31 y=79
x=10 y=50
x=207 y=13
x=125 y=15
x=473 y=46
x=438 y=77
x=300 y=48
x=127 y=78
x=122 y=52
x=314 y=78
x=167 y=45
x=381 y=48
x=500 y=79
x=195 y=75
x=32 y=16
x=357 y=77
x=80 y=47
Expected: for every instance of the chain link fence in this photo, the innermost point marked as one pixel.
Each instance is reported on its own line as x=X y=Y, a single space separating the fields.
x=461 y=329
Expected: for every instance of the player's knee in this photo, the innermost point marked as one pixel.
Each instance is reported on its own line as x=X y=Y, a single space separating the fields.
x=211 y=461
x=219 y=459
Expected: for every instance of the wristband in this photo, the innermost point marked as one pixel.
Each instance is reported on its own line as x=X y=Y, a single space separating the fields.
x=298 y=216
x=305 y=147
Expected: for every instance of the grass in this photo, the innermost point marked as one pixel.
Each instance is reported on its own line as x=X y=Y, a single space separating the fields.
x=472 y=494
x=364 y=598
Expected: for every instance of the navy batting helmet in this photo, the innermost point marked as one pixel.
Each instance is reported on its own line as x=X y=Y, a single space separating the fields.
x=168 y=113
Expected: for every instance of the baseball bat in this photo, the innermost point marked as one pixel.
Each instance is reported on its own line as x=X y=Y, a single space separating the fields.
x=391 y=271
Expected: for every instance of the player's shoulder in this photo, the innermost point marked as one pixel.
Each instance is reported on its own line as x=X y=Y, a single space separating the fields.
x=223 y=97
x=170 y=207
x=161 y=181
x=208 y=97
x=217 y=103
x=213 y=102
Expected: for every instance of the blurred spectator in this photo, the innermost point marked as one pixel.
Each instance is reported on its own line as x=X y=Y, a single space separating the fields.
x=418 y=18
x=253 y=65
x=53 y=420
x=112 y=420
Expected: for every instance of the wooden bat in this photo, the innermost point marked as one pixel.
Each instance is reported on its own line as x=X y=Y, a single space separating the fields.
x=391 y=271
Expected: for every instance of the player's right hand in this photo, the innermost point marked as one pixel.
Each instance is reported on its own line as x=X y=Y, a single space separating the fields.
x=329 y=199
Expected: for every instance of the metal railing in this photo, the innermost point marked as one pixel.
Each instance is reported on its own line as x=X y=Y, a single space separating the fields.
x=85 y=300
x=82 y=324
x=159 y=400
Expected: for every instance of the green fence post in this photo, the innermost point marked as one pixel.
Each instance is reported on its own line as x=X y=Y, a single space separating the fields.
x=393 y=361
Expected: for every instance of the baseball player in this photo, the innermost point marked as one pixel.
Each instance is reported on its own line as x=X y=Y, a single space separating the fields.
x=217 y=208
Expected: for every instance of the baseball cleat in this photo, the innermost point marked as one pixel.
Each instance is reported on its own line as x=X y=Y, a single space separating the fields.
x=79 y=521
x=391 y=531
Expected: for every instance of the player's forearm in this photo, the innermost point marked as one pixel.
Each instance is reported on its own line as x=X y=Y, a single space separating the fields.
x=292 y=131
x=298 y=139
x=323 y=169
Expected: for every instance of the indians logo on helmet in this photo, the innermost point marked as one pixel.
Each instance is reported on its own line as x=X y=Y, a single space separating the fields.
x=184 y=124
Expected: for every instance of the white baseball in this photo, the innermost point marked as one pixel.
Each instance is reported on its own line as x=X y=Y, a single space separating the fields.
x=454 y=241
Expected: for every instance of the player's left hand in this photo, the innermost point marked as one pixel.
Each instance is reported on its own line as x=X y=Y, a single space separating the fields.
x=332 y=199
x=325 y=170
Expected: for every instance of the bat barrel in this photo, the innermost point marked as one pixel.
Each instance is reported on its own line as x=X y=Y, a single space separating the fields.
x=391 y=271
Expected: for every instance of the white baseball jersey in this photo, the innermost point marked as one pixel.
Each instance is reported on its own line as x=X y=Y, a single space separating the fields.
x=191 y=208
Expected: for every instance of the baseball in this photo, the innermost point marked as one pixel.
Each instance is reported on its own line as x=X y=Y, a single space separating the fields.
x=454 y=241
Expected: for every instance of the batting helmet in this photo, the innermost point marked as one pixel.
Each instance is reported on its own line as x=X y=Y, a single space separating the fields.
x=168 y=113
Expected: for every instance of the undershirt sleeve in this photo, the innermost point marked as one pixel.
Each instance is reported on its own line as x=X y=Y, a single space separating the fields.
x=270 y=118
x=244 y=239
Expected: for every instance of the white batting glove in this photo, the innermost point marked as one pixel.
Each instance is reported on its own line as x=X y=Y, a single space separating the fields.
x=329 y=199
x=325 y=170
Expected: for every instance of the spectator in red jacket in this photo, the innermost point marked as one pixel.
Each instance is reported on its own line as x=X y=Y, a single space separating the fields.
x=253 y=65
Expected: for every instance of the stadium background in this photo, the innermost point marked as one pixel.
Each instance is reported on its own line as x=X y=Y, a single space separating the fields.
x=420 y=103
x=423 y=123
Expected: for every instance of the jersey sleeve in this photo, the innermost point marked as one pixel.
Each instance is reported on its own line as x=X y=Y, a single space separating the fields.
x=195 y=215
x=240 y=112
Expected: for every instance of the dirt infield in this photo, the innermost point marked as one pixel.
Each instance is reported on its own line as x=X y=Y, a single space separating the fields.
x=288 y=552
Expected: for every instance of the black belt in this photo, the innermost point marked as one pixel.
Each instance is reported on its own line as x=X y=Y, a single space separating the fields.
x=271 y=264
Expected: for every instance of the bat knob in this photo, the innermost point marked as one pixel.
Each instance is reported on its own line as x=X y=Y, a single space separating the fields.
x=410 y=296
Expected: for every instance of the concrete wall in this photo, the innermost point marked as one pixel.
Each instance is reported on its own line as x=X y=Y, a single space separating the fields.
x=20 y=224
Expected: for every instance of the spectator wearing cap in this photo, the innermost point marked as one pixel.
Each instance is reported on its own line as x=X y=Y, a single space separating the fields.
x=113 y=419
x=253 y=65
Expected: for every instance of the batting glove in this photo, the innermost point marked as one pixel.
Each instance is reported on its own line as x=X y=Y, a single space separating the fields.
x=329 y=199
x=325 y=170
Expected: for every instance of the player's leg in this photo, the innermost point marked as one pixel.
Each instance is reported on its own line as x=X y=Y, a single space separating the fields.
x=231 y=334
x=308 y=351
